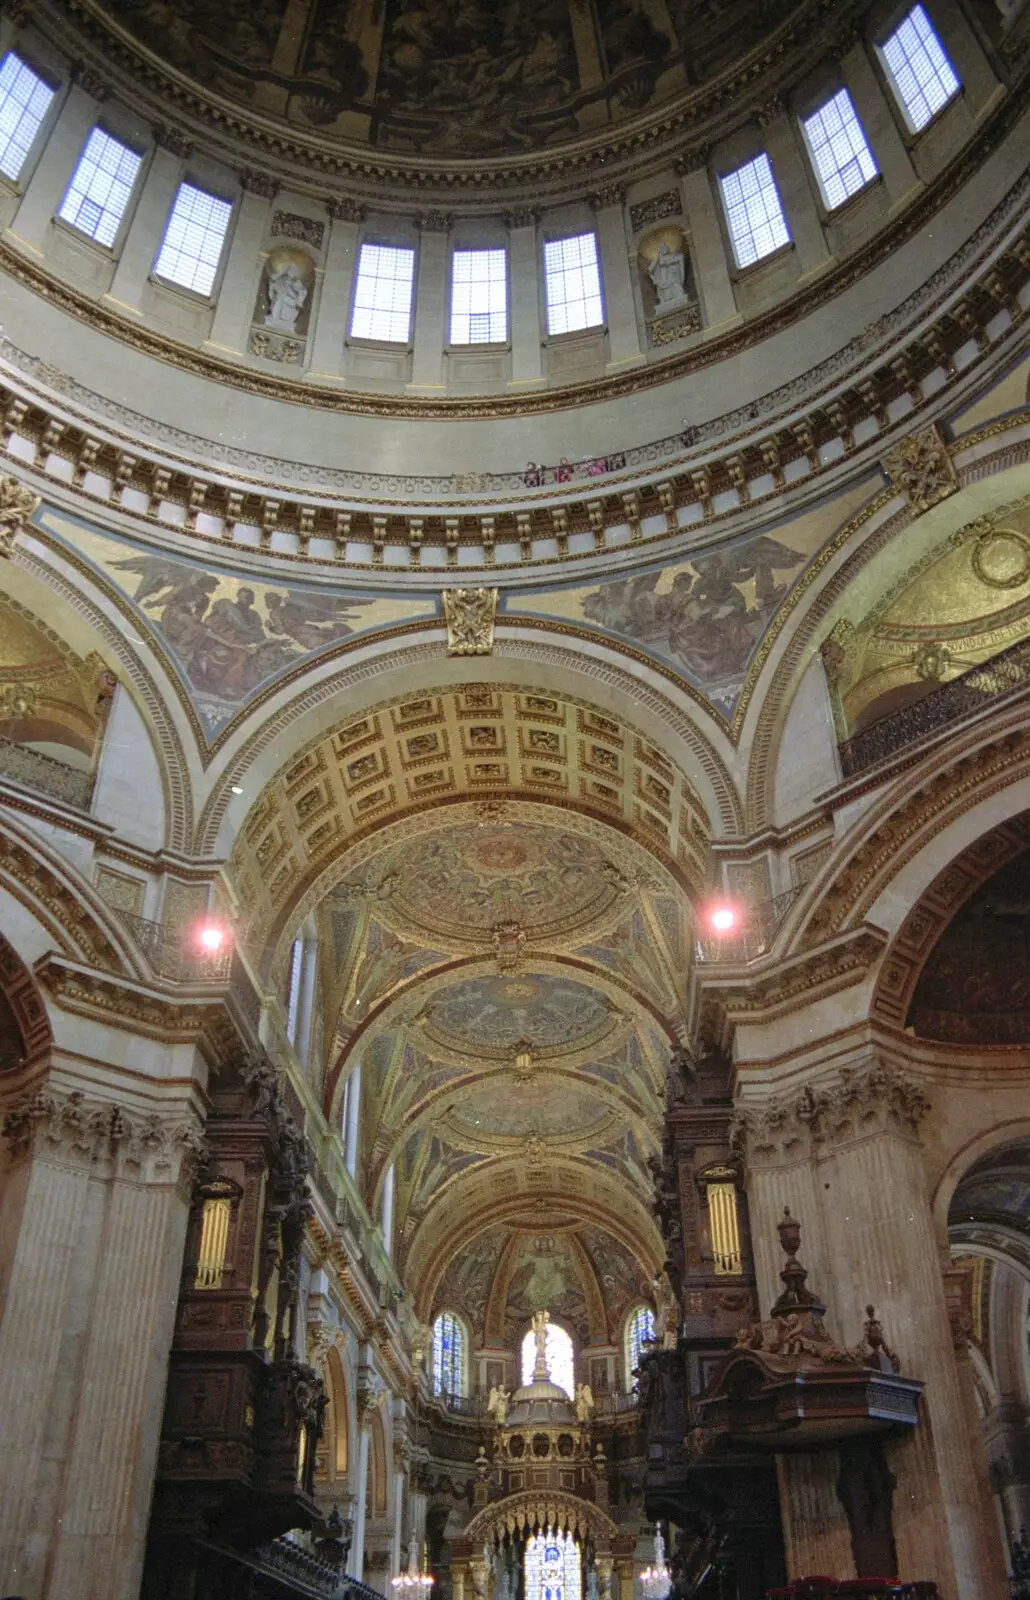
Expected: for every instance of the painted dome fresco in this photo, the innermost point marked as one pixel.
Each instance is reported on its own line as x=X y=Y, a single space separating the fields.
x=455 y=77
x=497 y=1013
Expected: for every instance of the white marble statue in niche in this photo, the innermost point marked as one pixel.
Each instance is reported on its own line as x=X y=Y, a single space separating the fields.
x=287 y=293
x=668 y=273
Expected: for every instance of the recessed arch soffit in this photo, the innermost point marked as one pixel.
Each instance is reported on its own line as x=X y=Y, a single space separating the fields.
x=498 y=1203
x=82 y=613
x=469 y=745
x=905 y=979
x=861 y=571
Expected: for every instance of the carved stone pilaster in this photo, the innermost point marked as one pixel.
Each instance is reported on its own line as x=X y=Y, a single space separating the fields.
x=18 y=505
x=90 y=81
x=75 y=1131
x=791 y=1127
x=435 y=221
x=369 y=1388
x=343 y=209
x=607 y=196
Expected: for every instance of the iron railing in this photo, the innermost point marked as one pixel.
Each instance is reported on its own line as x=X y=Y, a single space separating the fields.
x=174 y=955
x=46 y=774
x=279 y=1568
x=757 y=930
x=970 y=692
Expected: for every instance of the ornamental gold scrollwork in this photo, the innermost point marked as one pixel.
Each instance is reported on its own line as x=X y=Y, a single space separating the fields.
x=18 y=505
x=470 y=616
x=921 y=467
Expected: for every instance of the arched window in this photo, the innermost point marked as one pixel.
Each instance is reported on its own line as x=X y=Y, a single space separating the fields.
x=558 y=1354
x=448 y=1355
x=553 y=1568
x=639 y=1327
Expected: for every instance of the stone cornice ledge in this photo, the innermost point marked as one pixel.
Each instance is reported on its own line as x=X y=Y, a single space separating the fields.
x=763 y=990
x=206 y=1015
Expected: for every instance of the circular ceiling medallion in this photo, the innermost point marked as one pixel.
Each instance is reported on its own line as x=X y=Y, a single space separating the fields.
x=541 y=1010
x=1001 y=558
x=461 y=883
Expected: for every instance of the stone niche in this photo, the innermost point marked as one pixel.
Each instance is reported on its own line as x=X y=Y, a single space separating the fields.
x=282 y=310
x=667 y=286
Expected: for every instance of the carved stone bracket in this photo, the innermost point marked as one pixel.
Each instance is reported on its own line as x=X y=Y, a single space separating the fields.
x=873 y=1100
x=80 y=1132
x=922 y=468
x=264 y=184
x=18 y=505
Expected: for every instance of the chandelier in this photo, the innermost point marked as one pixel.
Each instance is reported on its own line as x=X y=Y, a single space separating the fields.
x=413 y=1584
x=656 y=1581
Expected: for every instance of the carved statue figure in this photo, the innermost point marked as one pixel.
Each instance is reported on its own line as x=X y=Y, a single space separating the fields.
x=668 y=272
x=539 y=1326
x=584 y=1402
x=666 y=1318
x=287 y=293
x=497 y=1404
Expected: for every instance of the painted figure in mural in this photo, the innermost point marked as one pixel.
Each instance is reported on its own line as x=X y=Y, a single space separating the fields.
x=231 y=638
x=287 y=293
x=711 y=617
x=668 y=273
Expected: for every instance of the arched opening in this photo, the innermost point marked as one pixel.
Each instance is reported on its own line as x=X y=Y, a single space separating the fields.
x=559 y=1357
x=450 y=1355
x=638 y=1332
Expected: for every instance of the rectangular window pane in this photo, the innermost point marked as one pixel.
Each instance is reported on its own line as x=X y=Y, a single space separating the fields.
x=24 y=99
x=382 y=298
x=192 y=245
x=753 y=211
x=101 y=187
x=573 y=281
x=842 y=159
x=479 y=297
x=921 y=75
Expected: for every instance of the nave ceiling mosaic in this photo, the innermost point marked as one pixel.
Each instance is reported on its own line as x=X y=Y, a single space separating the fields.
x=455 y=77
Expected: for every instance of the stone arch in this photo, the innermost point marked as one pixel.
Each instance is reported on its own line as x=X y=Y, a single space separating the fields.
x=26 y=1014
x=875 y=529
x=293 y=720
x=104 y=615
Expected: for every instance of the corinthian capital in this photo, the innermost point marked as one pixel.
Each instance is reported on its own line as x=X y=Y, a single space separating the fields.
x=861 y=1101
x=17 y=506
x=74 y=1131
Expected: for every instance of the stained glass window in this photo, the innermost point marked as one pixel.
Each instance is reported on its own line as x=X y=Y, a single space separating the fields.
x=639 y=1327
x=558 y=1354
x=448 y=1355
x=553 y=1567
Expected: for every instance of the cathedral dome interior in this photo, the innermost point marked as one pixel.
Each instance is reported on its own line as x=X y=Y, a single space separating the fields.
x=514 y=799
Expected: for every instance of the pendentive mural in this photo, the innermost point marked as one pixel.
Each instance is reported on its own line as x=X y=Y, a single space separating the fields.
x=451 y=76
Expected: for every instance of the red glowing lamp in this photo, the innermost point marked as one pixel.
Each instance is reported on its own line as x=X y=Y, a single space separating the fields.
x=723 y=918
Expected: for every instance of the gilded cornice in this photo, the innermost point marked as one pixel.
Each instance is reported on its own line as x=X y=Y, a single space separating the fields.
x=137 y=1008
x=767 y=989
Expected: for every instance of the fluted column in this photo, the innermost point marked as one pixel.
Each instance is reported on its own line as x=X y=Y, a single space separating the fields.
x=524 y=279
x=341 y=257
x=46 y=188
x=847 y=1159
x=146 y=230
x=353 y=1121
x=356 y=1563
x=430 y=301
x=617 y=282
x=95 y=1210
x=238 y=290
x=707 y=249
